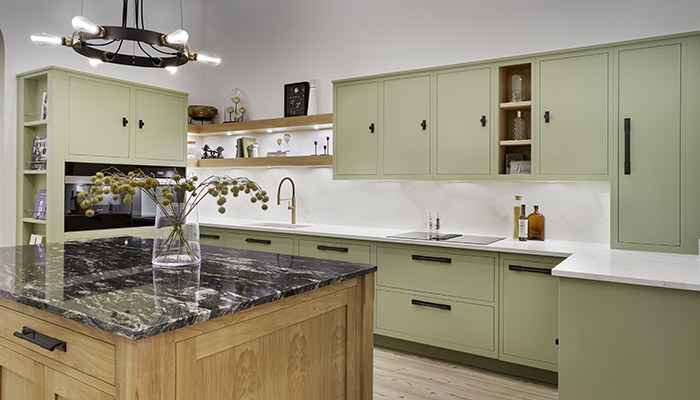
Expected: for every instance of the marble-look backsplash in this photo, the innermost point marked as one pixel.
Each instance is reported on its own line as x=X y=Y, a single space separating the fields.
x=574 y=211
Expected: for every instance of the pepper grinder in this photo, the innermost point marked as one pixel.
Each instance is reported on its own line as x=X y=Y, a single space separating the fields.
x=328 y=144
x=315 y=147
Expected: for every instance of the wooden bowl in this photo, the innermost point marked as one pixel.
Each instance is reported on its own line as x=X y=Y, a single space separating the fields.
x=201 y=112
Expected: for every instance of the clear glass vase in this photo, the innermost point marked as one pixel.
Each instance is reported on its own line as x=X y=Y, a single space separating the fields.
x=176 y=240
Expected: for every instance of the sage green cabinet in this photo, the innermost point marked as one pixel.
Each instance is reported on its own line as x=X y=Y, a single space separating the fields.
x=621 y=341
x=406 y=126
x=260 y=241
x=112 y=121
x=529 y=310
x=356 y=130
x=338 y=250
x=647 y=202
x=99 y=116
x=463 y=121
x=212 y=236
x=574 y=106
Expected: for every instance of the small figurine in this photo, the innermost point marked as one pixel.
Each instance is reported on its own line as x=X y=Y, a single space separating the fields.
x=205 y=152
x=219 y=152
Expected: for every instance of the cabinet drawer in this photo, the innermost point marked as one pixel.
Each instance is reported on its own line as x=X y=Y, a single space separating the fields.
x=260 y=242
x=84 y=353
x=337 y=251
x=436 y=321
x=212 y=236
x=445 y=273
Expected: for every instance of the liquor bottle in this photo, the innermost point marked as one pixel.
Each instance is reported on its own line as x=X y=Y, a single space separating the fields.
x=522 y=225
x=516 y=214
x=437 y=225
x=431 y=232
x=535 y=225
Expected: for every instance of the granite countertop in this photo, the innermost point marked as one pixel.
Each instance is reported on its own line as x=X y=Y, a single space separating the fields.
x=592 y=261
x=110 y=283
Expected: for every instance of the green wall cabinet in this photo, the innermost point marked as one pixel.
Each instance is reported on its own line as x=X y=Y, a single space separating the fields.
x=356 y=130
x=463 y=121
x=620 y=341
x=160 y=128
x=529 y=310
x=574 y=108
x=648 y=211
x=406 y=126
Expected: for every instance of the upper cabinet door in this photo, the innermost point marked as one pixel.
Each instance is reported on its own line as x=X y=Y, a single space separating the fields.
x=356 y=129
x=463 y=123
x=574 y=102
x=160 y=127
x=649 y=161
x=99 y=119
x=407 y=126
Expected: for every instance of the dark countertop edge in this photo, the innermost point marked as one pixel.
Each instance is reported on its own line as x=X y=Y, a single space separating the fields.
x=137 y=334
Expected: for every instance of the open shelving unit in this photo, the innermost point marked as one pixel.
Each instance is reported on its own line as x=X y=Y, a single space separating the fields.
x=263 y=126
x=507 y=111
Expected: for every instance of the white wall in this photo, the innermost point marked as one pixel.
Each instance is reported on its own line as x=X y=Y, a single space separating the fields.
x=267 y=43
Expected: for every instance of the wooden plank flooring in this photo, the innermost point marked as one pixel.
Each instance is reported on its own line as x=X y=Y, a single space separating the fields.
x=399 y=375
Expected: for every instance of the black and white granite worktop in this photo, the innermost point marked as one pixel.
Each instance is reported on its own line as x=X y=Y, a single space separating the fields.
x=110 y=283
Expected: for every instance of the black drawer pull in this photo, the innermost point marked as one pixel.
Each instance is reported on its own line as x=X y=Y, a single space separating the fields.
x=546 y=117
x=261 y=241
x=331 y=248
x=433 y=305
x=435 y=259
x=205 y=236
x=628 y=162
x=124 y=121
x=530 y=269
x=46 y=342
x=483 y=120
x=371 y=127
x=141 y=124
x=424 y=124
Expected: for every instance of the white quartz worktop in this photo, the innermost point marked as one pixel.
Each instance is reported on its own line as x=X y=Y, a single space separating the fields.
x=591 y=261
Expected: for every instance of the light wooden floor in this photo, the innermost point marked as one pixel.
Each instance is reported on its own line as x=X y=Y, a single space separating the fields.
x=400 y=375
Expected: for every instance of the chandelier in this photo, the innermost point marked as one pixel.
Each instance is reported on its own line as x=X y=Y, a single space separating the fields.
x=106 y=44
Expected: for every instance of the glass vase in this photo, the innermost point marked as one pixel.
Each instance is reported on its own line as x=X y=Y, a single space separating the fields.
x=176 y=239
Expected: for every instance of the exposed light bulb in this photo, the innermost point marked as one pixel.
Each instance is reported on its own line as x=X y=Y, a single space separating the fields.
x=81 y=23
x=46 y=39
x=211 y=60
x=229 y=133
x=317 y=127
x=172 y=70
x=178 y=37
x=95 y=62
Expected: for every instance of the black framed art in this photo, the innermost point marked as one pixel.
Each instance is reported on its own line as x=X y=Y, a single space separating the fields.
x=296 y=99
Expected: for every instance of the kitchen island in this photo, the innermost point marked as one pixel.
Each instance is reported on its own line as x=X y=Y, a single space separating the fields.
x=94 y=320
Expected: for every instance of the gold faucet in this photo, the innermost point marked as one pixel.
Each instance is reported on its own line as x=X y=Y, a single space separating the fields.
x=293 y=205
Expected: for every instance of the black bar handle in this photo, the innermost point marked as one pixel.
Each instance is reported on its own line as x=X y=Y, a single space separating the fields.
x=260 y=241
x=546 y=117
x=141 y=124
x=331 y=248
x=124 y=121
x=483 y=120
x=205 y=236
x=424 y=124
x=428 y=258
x=433 y=305
x=530 y=269
x=628 y=162
x=46 y=342
x=371 y=127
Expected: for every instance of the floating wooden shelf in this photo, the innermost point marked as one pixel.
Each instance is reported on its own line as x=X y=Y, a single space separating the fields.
x=525 y=142
x=300 y=161
x=304 y=122
x=516 y=105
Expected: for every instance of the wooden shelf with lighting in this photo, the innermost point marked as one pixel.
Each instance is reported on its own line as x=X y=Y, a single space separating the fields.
x=304 y=122
x=287 y=161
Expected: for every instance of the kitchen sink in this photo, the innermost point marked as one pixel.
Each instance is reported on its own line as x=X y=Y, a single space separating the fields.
x=279 y=225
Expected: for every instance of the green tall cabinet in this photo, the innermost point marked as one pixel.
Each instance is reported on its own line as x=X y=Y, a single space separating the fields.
x=649 y=207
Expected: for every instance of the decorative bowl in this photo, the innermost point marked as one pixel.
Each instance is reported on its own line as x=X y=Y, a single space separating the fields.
x=201 y=112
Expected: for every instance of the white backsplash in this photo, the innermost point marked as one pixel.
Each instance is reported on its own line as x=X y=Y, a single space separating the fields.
x=573 y=211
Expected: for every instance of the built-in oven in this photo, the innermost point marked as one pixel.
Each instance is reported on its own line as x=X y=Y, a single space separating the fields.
x=110 y=213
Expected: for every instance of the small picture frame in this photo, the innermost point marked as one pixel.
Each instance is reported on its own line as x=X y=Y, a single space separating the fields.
x=520 y=167
x=510 y=158
x=296 y=99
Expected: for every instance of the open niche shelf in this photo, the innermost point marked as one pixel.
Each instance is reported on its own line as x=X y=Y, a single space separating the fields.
x=275 y=125
x=514 y=143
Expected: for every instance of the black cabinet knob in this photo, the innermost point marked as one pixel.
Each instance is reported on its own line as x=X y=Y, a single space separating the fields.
x=141 y=124
x=124 y=121
x=424 y=124
x=556 y=341
x=546 y=117
x=371 y=127
x=483 y=120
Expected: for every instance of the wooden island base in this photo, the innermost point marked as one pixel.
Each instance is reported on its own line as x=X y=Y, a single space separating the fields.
x=314 y=345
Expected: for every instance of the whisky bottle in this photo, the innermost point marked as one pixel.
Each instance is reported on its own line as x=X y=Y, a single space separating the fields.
x=535 y=222
x=522 y=225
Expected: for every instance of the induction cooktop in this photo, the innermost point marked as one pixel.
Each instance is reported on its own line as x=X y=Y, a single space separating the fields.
x=452 y=237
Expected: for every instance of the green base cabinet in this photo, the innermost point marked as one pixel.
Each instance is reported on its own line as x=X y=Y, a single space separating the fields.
x=212 y=236
x=338 y=250
x=620 y=341
x=529 y=310
x=260 y=241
